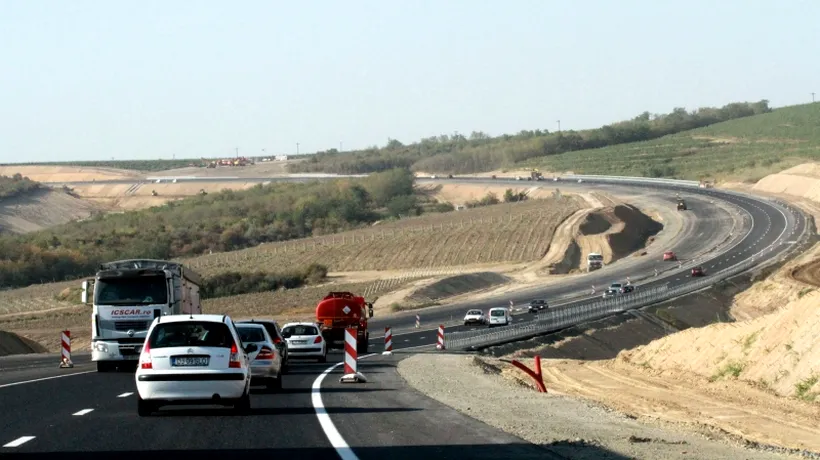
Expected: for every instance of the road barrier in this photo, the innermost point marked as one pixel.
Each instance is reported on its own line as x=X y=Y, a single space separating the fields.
x=440 y=339
x=351 y=372
x=65 y=338
x=418 y=321
x=388 y=341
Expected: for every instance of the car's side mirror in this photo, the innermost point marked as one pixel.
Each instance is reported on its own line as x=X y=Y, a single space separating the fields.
x=250 y=348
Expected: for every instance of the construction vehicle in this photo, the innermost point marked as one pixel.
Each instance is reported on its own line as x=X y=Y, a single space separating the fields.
x=681 y=204
x=594 y=261
x=536 y=175
x=126 y=297
x=338 y=311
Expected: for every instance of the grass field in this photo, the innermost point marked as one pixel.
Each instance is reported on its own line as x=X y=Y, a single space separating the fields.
x=745 y=149
x=501 y=233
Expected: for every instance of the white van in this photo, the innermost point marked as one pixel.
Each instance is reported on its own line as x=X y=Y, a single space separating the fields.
x=499 y=316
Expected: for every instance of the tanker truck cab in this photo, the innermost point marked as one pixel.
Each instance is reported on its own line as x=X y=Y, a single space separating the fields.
x=126 y=297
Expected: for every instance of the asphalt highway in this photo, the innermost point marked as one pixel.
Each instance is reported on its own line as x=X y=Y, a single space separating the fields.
x=46 y=410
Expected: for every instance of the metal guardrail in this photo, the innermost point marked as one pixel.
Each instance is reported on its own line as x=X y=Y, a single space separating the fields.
x=561 y=318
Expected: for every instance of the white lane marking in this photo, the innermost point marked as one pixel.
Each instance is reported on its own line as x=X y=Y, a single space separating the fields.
x=19 y=441
x=336 y=439
x=82 y=412
x=44 y=378
x=125 y=395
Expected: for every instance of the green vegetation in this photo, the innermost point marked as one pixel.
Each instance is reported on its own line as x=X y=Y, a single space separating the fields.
x=235 y=283
x=733 y=369
x=480 y=152
x=137 y=165
x=216 y=222
x=16 y=185
x=803 y=388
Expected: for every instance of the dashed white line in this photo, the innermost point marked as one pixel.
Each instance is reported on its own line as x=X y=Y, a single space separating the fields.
x=82 y=412
x=19 y=441
x=125 y=395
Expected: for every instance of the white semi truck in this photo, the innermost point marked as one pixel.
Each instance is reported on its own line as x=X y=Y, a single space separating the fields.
x=594 y=261
x=126 y=296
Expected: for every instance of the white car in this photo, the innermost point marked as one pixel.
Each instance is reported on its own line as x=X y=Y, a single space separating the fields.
x=193 y=359
x=499 y=316
x=474 y=317
x=305 y=341
x=266 y=361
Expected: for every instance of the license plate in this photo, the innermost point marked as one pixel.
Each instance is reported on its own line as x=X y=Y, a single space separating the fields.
x=298 y=342
x=187 y=361
x=328 y=322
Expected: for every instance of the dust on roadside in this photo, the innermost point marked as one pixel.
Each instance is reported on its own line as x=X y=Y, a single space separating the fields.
x=560 y=423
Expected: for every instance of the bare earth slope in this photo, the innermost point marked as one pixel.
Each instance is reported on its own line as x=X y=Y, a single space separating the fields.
x=67 y=173
x=41 y=209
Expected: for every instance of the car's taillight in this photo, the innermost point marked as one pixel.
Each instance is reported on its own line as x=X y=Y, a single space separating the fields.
x=145 y=359
x=318 y=339
x=265 y=353
x=234 y=360
x=277 y=340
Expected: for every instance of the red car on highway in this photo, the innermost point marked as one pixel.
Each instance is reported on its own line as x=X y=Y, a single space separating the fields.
x=698 y=271
x=669 y=255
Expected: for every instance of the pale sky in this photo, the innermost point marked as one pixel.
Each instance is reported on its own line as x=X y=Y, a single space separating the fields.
x=88 y=80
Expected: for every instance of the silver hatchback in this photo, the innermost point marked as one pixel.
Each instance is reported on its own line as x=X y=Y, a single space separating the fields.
x=266 y=360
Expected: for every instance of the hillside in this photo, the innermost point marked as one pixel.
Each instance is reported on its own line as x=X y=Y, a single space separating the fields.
x=480 y=152
x=514 y=232
x=41 y=209
x=744 y=149
x=736 y=145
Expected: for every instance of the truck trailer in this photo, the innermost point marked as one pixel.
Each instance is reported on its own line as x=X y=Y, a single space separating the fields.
x=126 y=296
x=594 y=261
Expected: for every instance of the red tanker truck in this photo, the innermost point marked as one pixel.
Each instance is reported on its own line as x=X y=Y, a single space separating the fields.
x=339 y=311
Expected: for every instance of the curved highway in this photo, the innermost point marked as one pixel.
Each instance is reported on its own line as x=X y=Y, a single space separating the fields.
x=48 y=410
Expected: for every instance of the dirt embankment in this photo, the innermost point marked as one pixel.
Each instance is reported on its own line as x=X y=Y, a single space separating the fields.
x=613 y=229
x=456 y=285
x=43 y=208
x=13 y=344
x=142 y=195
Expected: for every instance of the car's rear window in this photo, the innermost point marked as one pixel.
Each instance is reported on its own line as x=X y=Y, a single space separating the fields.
x=301 y=330
x=250 y=334
x=189 y=334
x=474 y=312
x=497 y=313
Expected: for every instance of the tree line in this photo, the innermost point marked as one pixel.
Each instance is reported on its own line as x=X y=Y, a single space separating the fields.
x=479 y=152
x=16 y=185
x=224 y=221
x=235 y=283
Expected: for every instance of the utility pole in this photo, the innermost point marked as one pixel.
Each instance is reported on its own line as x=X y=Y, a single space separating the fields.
x=559 y=125
x=237 y=152
x=340 y=142
x=297 y=148
x=812 y=97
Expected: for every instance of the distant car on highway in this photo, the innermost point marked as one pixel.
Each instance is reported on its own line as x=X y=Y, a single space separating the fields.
x=698 y=271
x=305 y=341
x=266 y=361
x=538 y=305
x=627 y=288
x=609 y=293
x=474 y=317
x=669 y=255
x=193 y=359
x=499 y=316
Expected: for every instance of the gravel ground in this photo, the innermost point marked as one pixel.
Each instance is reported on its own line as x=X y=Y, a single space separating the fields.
x=562 y=424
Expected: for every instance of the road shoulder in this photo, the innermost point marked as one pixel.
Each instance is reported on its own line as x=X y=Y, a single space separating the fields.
x=563 y=424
